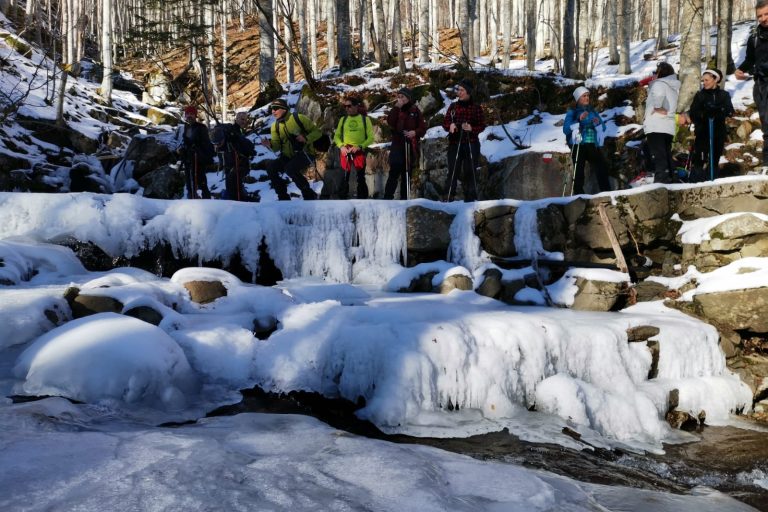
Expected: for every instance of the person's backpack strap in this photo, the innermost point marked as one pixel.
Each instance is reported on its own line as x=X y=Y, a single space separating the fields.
x=365 y=126
x=298 y=122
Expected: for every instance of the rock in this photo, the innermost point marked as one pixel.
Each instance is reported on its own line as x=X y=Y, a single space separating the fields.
x=735 y=309
x=509 y=289
x=146 y=314
x=85 y=305
x=641 y=333
x=720 y=198
x=427 y=234
x=455 y=282
x=420 y=284
x=655 y=350
x=651 y=205
x=204 y=292
x=158 y=116
x=165 y=182
x=596 y=295
x=147 y=154
x=491 y=285
x=527 y=176
x=646 y=291
x=495 y=227
x=729 y=343
x=682 y=420
x=744 y=130
x=264 y=327
x=553 y=228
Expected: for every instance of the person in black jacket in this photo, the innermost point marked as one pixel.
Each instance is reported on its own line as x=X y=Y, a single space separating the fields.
x=196 y=152
x=710 y=107
x=235 y=152
x=407 y=124
x=756 y=62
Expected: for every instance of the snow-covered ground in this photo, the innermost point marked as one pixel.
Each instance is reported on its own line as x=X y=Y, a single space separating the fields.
x=425 y=364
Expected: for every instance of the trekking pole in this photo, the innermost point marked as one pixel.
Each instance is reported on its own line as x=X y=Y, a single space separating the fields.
x=472 y=164
x=711 y=149
x=575 y=166
x=455 y=163
x=194 y=175
x=407 y=176
x=236 y=170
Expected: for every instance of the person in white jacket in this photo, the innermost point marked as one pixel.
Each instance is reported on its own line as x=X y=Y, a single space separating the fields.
x=659 y=122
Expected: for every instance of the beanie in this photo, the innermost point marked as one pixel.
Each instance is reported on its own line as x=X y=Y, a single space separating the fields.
x=190 y=110
x=278 y=104
x=466 y=85
x=406 y=92
x=579 y=92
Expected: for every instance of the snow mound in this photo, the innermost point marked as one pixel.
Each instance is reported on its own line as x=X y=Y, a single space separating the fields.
x=107 y=356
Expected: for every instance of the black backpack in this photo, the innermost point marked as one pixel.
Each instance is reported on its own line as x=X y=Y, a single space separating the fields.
x=322 y=144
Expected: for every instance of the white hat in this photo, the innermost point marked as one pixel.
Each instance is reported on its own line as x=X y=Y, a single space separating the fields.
x=579 y=92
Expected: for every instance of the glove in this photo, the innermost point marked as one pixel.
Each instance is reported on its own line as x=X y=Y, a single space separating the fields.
x=344 y=151
x=575 y=134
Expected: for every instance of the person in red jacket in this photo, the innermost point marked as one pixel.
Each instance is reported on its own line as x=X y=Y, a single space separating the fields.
x=407 y=124
x=463 y=121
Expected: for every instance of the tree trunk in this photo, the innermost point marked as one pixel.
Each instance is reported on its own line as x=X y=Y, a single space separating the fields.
x=424 y=30
x=663 y=35
x=266 y=45
x=725 y=19
x=530 y=34
x=344 y=36
x=464 y=31
x=613 y=31
x=398 y=29
x=625 y=33
x=690 y=53
x=106 y=50
x=569 y=44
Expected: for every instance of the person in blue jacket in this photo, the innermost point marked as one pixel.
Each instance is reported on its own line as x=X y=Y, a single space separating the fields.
x=584 y=132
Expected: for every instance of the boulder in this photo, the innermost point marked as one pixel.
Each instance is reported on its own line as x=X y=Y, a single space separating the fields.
x=491 y=285
x=595 y=295
x=165 y=182
x=553 y=228
x=495 y=227
x=714 y=199
x=646 y=291
x=735 y=309
x=642 y=333
x=529 y=176
x=146 y=314
x=204 y=292
x=455 y=282
x=147 y=154
x=159 y=116
x=427 y=234
x=85 y=305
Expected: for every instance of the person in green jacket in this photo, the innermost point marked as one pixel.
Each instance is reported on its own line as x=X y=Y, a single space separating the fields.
x=353 y=135
x=292 y=137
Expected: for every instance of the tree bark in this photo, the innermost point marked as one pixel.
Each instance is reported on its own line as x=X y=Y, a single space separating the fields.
x=106 y=50
x=690 y=53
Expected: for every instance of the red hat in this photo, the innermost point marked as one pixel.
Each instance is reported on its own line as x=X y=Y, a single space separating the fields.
x=190 y=110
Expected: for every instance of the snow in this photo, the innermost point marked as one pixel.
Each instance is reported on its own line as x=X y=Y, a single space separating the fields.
x=450 y=365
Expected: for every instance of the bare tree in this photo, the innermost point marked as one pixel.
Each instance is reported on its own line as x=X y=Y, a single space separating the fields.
x=106 y=50
x=569 y=44
x=724 y=34
x=530 y=34
x=424 y=20
x=625 y=33
x=690 y=53
x=266 y=44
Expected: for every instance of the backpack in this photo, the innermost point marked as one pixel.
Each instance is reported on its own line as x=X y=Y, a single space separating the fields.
x=322 y=144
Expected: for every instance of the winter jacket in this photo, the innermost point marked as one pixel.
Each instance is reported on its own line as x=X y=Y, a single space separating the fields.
x=587 y=127
x=712 y=104
x=461 y=112
x=285 y=130
x=662 y=93
x=357 y=131
x=404 y=119
x=195 y=141
x=235 y=148
x=756 y=58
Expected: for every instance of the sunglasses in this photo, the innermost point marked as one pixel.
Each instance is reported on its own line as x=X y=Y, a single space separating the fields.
x=349 y=105
x=274 y=108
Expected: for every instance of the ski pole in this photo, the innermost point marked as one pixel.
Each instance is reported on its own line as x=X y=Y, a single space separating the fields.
x=455 y=163
x=575 y=166
x=711 y=149
x=472 y=165
x=407 y=176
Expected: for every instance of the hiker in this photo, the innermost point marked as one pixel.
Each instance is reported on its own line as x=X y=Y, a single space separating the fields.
x=464 y=120
x=756 y=63
x=235 y=153
x=407 y=124
x=581 y=134
x=292 y=136
x=709 y=109
x=353 y=135
x=659 y=122
x=196 y=152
